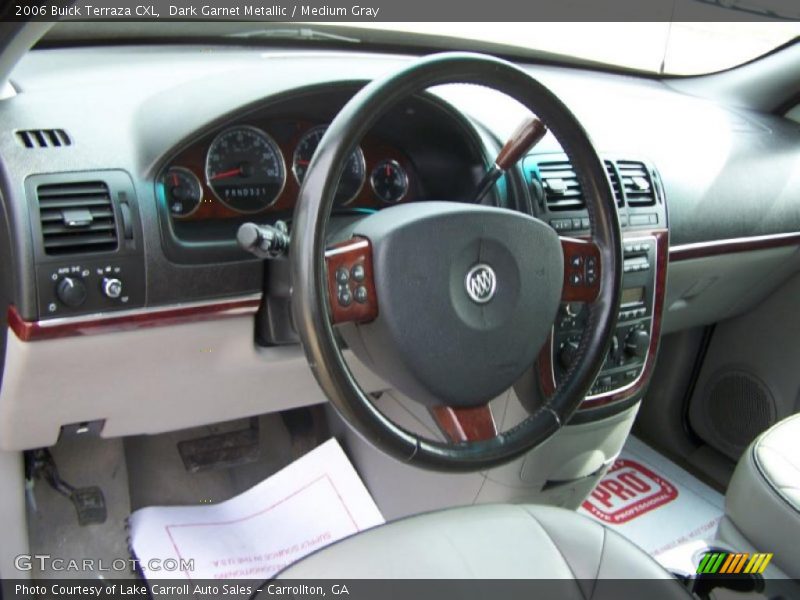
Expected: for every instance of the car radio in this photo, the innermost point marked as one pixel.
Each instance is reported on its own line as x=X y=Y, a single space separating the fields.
x=631 y=340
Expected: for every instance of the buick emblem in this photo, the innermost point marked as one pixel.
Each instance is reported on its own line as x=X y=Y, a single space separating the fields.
x=481 y=283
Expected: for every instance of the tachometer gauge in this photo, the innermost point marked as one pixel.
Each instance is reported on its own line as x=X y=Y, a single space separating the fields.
x=182 y=190
x=389 y=181
x=354 y=172
x=245 y=169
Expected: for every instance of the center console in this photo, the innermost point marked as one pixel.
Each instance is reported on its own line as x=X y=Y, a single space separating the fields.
x=641 y=208
x=631 y=342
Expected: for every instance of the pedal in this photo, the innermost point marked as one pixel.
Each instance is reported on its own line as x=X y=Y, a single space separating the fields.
x=299 y=422
x=221 y=450
x=89 y=502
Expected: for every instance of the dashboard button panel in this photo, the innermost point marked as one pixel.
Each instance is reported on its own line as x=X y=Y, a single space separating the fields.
x=87 y=285
x=628 y=350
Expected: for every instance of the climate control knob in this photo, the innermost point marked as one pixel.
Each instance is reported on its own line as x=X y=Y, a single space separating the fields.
x=71 y=291
x=112 y=287
x=567 y=353
x=637 y=343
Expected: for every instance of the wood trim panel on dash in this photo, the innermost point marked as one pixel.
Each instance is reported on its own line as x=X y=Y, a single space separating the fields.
x=732 y=246
x=31 y=331
x=472 y=424
x=544 y=362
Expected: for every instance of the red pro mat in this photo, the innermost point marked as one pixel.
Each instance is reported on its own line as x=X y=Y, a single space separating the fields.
x=653 y=502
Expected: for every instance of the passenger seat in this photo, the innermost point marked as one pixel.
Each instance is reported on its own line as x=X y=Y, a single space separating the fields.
x=762 y=504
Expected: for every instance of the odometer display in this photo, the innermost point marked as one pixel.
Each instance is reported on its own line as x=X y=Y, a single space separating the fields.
x=354 y=171
x=245 y=169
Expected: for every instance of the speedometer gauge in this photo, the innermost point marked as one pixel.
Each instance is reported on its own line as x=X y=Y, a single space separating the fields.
x=245 y=169
x=355 y=171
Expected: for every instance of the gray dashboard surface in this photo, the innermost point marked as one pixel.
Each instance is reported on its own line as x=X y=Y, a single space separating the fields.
x=726 y=173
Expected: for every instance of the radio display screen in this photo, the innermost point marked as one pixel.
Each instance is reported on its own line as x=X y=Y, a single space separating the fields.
x=632 y=295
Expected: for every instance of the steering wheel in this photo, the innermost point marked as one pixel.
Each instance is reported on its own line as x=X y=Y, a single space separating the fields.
x=450 y=303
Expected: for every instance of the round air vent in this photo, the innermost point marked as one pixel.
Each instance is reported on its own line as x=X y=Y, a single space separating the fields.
x=738 y=407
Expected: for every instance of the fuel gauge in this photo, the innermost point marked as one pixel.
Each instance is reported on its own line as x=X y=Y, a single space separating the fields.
x=183 y=191
x=389 y=181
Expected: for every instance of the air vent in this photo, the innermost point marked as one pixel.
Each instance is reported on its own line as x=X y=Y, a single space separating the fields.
x=638 y=184
x=561 y=188
x=43 y=138
x=615 y=184
x=76 y=218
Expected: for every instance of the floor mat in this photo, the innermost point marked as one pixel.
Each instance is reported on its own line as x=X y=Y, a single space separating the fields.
x=158 y=475
x=311 y=503
x=653 y=502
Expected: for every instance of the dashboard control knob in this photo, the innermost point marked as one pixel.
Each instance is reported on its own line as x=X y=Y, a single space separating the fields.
x=613 y=350
x=112 y=287
x=566 y=354
x=571 y=309
x=637 y=343
x=71 y=291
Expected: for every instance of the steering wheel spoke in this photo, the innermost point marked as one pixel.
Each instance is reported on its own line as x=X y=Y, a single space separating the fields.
x=351 y=287
x=581 y=270
x=469 y=424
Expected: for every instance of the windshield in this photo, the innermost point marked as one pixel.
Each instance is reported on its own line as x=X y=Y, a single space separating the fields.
x=677 y=48
x=670 y=48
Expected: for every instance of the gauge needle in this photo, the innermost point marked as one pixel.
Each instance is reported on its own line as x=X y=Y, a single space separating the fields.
x=228 y=173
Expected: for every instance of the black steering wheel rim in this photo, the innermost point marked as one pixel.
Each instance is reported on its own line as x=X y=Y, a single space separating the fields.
x=309 y=278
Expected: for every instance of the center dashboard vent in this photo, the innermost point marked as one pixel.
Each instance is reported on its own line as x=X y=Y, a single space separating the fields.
x=561 y=188
x=563 y=191
x=77 y=218
x=638 y=183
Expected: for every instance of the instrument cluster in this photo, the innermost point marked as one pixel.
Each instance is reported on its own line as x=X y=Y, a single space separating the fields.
x=249 y=169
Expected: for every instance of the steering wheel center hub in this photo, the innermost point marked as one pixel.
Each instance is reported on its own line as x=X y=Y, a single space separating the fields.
x=467 y=296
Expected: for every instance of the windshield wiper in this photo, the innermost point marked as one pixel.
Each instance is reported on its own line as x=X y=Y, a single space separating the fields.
x=295 y=33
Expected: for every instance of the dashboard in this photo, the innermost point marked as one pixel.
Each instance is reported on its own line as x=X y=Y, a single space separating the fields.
x=155 y=175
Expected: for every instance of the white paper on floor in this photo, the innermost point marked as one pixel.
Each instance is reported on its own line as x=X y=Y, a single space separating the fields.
x=653 y=502
x=311 y=503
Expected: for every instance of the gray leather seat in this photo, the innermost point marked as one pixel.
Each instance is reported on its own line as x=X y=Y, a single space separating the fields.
x=762 y=505
x=491 y=541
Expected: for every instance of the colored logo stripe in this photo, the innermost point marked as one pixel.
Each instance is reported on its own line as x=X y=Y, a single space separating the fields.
x=730 y=563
